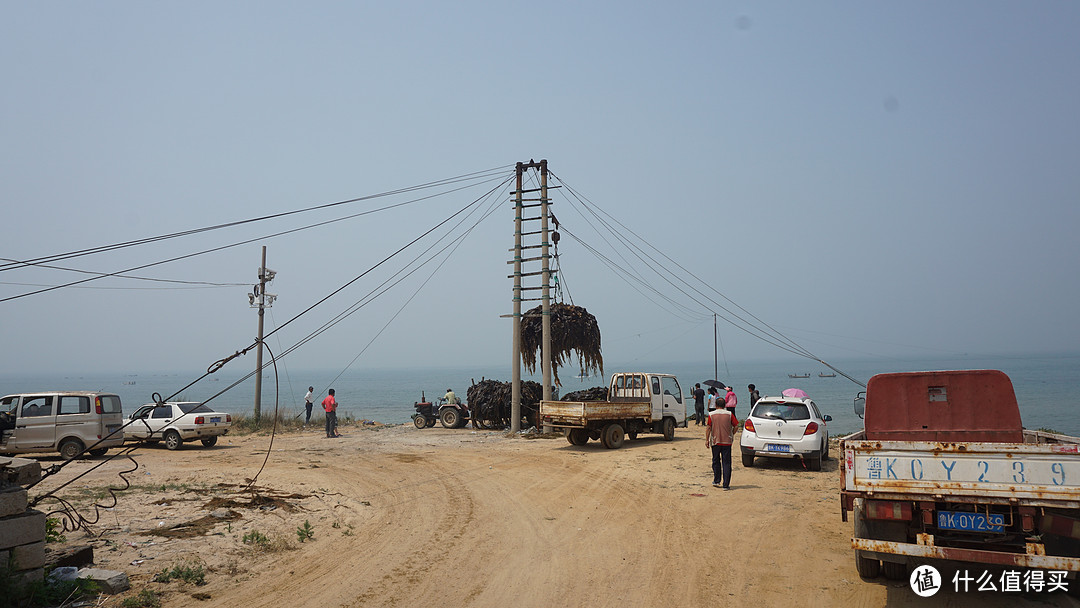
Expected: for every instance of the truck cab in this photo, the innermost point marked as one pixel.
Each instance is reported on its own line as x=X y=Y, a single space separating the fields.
x=661 y=390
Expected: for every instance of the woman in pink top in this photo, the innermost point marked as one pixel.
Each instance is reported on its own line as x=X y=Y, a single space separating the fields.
x=730 y=400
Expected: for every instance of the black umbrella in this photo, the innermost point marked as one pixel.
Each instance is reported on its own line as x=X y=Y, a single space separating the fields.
x=718 y=385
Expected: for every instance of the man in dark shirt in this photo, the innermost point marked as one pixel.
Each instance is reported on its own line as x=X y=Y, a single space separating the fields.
x=699 y=404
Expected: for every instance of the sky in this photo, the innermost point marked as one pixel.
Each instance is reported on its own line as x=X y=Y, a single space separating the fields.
x=866 y=179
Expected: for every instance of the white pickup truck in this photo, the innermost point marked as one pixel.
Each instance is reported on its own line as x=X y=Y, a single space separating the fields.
x=638 y=402
x=943 y=469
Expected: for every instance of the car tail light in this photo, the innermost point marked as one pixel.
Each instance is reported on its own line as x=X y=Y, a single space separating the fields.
x=810 y=429
x=199 y=420
x=749 y=425
x=228 y=417
x=98 y=409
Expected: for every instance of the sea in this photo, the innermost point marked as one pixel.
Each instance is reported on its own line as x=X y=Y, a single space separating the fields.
x=1042 y=382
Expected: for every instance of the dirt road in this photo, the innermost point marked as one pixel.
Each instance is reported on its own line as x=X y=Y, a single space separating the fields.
x=403 y=517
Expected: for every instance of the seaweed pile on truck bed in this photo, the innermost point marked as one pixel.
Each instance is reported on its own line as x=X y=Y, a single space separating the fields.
x=572 y=328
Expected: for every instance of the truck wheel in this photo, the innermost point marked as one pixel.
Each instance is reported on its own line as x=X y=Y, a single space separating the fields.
x=669 y=429
x=577 y=436
x=449 y=418
x=70 y=449
x=867 y=567
x=172 y=440
x=418 y=421
x=894 y=571
x=210 y=441
x=612 y=436
x=748 y=460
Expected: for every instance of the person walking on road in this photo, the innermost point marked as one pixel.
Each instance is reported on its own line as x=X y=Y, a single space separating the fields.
x=330 y=405
x=719 y=434
x=699 y=405
x=308 y=404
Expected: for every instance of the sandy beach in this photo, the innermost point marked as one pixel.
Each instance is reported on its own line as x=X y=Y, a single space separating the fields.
x=404 y=517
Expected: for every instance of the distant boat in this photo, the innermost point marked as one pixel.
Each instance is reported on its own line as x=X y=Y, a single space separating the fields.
x=798 y=375
x=824 y=375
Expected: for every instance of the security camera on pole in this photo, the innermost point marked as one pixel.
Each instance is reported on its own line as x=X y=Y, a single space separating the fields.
x=258 y=298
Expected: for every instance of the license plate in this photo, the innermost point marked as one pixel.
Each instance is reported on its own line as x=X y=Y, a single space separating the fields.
x=216 y=419
x=777 y=447
x=973 y=522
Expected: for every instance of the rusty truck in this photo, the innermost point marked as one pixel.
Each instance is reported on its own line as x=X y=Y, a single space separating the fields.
x=638 y=402
x=944 y=469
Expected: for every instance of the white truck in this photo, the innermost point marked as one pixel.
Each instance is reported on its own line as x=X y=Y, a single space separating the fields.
x=638 y=402
x=944 y=469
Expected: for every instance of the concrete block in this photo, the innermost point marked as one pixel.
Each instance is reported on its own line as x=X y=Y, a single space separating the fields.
x=22 y=529
x=79 y=556
x=12 y=501
x=111 y=581
x=29 y=556
x=19 y=471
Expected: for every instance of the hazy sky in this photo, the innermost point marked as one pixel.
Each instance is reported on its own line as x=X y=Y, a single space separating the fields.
x=885 y=179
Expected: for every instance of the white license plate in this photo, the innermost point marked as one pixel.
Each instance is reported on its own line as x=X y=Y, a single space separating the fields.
x=777 y=447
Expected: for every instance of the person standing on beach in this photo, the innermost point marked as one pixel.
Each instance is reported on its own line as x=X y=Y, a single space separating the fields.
x=308 y=404
x=699 y=405
x=730 y=400
x=330 y=405
x=754 y=395
x=719 y=433
x=713 y=395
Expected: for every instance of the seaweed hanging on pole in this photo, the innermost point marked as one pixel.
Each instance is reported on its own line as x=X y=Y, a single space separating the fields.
x=572 y=329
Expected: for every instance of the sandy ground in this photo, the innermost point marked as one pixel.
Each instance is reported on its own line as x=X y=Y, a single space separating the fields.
x=437 y=517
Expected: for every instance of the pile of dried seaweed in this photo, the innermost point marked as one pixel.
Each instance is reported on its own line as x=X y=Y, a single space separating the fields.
x=490 y=400
x=596 y=393
x=572 y=328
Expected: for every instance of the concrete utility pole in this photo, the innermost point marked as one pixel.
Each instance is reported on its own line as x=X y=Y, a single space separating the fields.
x=261 y=300
x=545 y=243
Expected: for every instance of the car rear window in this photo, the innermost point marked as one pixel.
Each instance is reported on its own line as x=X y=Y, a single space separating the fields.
x=198 y=408
x=110 y=404
x=787 y=411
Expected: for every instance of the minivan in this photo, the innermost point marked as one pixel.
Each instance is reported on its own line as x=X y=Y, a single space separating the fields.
x=68 y=422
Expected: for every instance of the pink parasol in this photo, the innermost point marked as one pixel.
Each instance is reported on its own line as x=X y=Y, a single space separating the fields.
x=796 y=393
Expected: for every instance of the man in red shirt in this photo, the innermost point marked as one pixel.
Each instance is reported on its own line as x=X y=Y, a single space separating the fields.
x=719 y=434
x=330 y=405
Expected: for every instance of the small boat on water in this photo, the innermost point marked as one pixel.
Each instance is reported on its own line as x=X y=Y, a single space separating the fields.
x=798 y=375
x=824 y=375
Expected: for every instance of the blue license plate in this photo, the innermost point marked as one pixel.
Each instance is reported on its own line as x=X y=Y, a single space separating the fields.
x=972 y=522
x=215 y=419
x=777 y=447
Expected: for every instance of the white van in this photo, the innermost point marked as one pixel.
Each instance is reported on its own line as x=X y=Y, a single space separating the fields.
x=68 y=422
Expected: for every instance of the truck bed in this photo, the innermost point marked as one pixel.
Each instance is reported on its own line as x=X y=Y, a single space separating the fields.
x=1044 y=470
x=579 y=413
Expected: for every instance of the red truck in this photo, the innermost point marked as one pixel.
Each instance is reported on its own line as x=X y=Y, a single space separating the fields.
x=944 y=469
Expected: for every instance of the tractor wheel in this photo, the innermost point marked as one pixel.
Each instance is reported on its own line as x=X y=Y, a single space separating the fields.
x=418 y=421
x=449 y=418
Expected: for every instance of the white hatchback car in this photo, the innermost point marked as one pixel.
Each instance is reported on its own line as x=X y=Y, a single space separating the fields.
x=785 y=427
x=177 y=422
